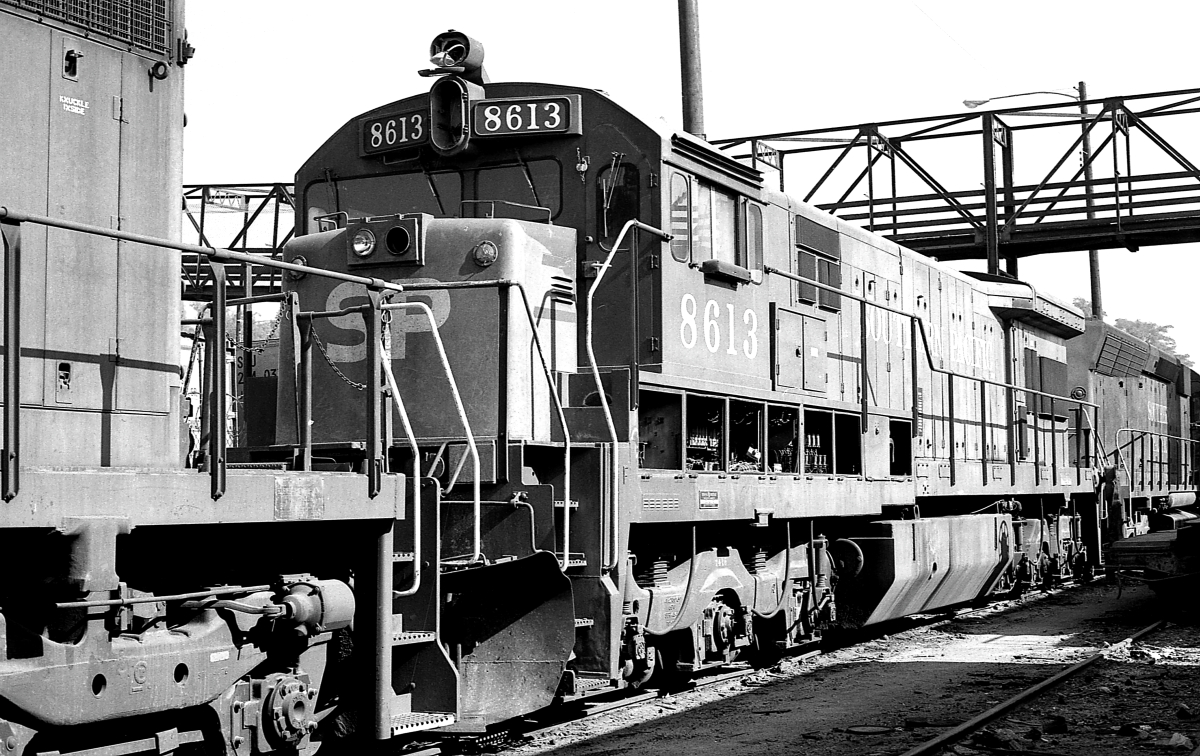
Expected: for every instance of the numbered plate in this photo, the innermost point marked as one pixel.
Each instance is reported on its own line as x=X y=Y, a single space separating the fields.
x=395 y=131
x=526 y=116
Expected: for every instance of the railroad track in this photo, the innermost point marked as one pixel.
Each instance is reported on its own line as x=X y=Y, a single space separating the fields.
x=979 y=721
x=558 y=715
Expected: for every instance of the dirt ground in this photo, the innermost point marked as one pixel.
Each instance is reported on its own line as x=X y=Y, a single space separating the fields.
x=885 y=696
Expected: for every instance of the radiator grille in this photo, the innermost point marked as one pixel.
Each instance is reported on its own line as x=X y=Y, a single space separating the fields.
x=145 y=24
x=1121 y=355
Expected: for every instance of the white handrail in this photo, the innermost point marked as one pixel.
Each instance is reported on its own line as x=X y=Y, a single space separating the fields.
x=610 y=562
x=477 y=549
x=386 y=358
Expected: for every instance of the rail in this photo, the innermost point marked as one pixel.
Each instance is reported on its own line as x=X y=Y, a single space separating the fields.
x=611 y=559
x=547 y=375
x=11 y=220
x=917 y=326
x=1187 y=448
x=385 y=356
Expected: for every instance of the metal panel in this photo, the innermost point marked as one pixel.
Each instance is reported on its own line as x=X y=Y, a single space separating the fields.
x=81 y=330
x=816 y=356
x=148 y=341
x=787 y=344
x=23 y=163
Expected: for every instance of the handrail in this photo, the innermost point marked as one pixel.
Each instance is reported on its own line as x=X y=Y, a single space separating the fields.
x=554 y=397
x=1142 y=433
x=476 y=536
x=614 y=500
x=215 y=403
x=924 y=339
x=917 y=324
x=211 y=252
x=385 y=355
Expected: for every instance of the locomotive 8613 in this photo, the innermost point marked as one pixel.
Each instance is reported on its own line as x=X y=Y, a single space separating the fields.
x=701 y=420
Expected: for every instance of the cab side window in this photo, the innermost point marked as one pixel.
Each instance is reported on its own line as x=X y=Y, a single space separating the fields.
x=709 y=223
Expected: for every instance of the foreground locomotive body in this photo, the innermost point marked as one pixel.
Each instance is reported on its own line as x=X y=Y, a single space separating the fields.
x=727 y=418
x=148 y=606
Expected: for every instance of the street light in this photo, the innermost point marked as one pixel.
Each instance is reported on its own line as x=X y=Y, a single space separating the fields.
x=977 y=103
x=1086 y=152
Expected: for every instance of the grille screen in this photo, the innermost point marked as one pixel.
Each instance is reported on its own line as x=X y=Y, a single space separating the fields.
x=1121 y=356
x=145 y=24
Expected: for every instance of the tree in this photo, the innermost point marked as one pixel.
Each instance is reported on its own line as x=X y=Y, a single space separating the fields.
x=1084 y=305
x=1153 y=334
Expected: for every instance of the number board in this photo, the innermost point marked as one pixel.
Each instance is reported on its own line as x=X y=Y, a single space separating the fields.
x=394 y=131
x=521 y=116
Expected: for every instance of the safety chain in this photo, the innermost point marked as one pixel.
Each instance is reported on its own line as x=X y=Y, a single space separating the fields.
x=321 y=348
x=284 y=312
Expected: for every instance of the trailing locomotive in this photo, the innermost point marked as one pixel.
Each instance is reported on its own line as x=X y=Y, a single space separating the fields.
x=695 y=419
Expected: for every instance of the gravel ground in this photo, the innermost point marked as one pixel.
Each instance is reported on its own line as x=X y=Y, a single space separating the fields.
x=885 y=696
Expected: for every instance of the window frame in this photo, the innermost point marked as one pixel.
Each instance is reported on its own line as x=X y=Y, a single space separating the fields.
x=749 y=238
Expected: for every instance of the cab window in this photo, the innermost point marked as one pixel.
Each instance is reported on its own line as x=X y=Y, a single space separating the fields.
x=709 y=223
x=617 y=200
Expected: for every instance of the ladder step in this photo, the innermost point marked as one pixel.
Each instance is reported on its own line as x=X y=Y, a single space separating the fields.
x=404 y=556
x=584 y=622
x=408 y=637
x=402 y=723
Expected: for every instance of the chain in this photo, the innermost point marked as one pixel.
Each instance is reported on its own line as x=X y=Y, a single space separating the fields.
x=284 y=312
x=321 y=348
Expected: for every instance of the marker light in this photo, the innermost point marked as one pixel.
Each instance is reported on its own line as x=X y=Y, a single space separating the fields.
x=363 y=243
x=485 y=253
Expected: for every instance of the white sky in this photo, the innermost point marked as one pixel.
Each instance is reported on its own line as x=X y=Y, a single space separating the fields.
x=273 y=78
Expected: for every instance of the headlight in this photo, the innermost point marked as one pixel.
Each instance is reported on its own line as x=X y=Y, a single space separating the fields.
x=363 y=243
x=485 y=253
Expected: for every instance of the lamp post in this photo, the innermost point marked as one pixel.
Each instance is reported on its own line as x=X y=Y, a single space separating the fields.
x=1086 y=153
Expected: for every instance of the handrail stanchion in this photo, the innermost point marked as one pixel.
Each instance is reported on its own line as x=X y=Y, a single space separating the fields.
x=216 y=418
x=1054 y=437
x=950 y=415
x=611 y=560
x=374 y=455
x=304 y=398
x=984 y=432
x=10 y=465
x=864 y=376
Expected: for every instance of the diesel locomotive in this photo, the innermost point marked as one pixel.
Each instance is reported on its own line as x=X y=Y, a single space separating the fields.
x=675 y=417
x=149 y=606
x=564 y=401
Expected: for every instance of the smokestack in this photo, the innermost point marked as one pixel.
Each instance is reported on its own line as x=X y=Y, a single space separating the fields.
x=689 y=63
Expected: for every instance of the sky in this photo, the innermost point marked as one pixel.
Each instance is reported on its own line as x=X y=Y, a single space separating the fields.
x=273 y=78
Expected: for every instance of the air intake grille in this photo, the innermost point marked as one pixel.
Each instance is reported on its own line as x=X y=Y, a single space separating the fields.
x=1121 y=356
x=145 y=24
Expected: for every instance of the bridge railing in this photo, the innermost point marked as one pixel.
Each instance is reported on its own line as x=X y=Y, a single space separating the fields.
x=951 y=186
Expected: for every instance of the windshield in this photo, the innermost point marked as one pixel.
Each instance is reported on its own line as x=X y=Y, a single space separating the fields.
x=536 y=182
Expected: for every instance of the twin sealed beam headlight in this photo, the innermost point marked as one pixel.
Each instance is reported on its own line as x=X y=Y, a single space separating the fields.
x=363 y=243
x=387 y=240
